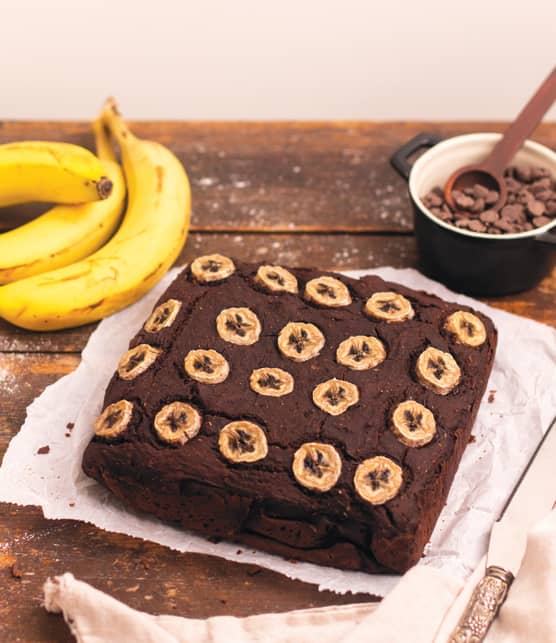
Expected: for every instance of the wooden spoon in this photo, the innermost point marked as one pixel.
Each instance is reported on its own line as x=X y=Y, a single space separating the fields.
x=490 y=173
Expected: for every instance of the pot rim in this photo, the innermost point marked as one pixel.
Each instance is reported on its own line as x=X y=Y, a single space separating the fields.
x=455 y=141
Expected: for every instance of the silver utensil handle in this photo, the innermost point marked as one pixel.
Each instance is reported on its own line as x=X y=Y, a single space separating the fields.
x=483 y=606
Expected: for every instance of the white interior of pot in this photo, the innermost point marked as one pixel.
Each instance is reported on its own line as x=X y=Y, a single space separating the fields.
x=434 y=168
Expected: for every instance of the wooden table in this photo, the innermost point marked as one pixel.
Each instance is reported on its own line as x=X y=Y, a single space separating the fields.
x=294 y=193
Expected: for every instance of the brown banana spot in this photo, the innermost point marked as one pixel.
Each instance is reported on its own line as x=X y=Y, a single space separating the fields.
x=159 y=177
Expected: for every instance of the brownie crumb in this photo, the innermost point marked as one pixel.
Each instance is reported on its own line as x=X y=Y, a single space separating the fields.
x=239 y=551
x=16 y=571
x=72 y=504
x=69 y=426
x=43 y=450
x=472 y=439
x=491 y=395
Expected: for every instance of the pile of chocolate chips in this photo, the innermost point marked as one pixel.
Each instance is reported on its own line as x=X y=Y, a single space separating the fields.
x=531 y=203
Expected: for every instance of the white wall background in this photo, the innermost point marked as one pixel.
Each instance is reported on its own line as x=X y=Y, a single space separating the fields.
x=279 y=59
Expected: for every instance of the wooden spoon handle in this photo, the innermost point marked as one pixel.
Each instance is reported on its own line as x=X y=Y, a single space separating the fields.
x=528 y=119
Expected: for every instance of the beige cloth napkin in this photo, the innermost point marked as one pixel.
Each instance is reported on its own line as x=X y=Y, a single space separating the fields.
x=423 y=608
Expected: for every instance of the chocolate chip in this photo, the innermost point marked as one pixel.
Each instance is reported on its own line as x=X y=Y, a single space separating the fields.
x=541 y=184
x=551 y=208
x=545 y=195
x=477 y=226
x=523 y=173
x=539 y=173
x=432 y=200
x=536 y=208
x=463 y=223
x=505 y=225
x=480 y=192
x=462 y=200
x=540 y=221
x=524 y=196
x=478 y=206
x=444 y=214
x=514 y=213
x=492 y=197
x=512 y=185
x=489 y=216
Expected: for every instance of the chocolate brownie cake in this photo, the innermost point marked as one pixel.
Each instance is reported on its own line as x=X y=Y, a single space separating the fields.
x=298 y=411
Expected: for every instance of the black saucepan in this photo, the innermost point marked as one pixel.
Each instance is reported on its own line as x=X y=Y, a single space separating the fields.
x=473 y=262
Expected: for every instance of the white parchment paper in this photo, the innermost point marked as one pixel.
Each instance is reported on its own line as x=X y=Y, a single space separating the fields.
x=506 y=433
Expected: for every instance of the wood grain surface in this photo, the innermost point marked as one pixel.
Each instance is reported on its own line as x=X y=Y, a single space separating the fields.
x=318 y=194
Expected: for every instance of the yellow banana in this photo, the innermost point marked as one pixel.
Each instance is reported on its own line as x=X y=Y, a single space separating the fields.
x=50 y=172
x=149 y=240
x=66 y=233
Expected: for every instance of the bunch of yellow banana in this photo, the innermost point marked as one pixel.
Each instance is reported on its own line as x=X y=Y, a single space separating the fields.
x=59 y=283
x=66 y=233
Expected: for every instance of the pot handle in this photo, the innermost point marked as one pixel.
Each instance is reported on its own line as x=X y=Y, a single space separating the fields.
x=548 y=237
x=399 y=160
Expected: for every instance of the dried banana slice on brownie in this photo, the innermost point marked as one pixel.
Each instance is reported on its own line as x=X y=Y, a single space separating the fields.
x=300 y=341
x=114 y=420
x=137 y=360
x=360 y=352
x=276 y=279
x=389 y=307
x=466 y=328
x=378 y=480
x=177 y=423
x=327 y=291
x=437 y=370
x=317 y=466
x=242 y=441
x=238 y=326
x=163 y=316
x=206 y=366
x=212 y=268
x=335 y=396
x=273 y=382
x=413 y=424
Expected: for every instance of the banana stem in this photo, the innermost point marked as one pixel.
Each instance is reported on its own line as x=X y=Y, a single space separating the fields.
x=112 y=119
x=105 y=151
